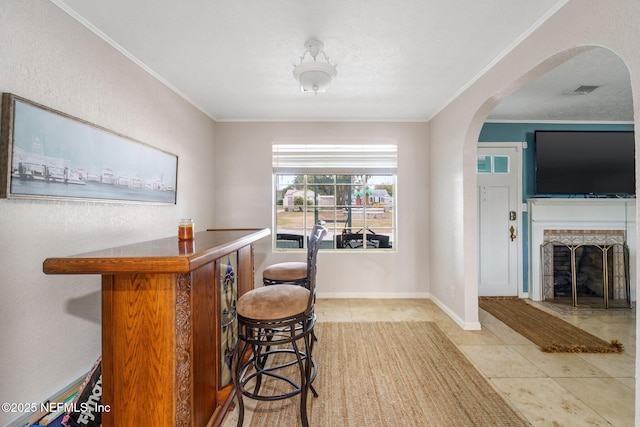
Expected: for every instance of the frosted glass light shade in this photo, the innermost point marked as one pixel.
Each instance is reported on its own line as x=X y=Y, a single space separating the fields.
x=314 y=78
x=314 y=75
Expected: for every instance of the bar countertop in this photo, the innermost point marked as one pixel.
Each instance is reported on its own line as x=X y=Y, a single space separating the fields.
x=167 y=255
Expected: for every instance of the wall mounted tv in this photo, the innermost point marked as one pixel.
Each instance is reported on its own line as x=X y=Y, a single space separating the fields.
x=585 y=163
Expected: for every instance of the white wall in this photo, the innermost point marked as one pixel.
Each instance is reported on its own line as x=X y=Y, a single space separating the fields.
x=50 y=325
x=455 y=130
x=244 y=198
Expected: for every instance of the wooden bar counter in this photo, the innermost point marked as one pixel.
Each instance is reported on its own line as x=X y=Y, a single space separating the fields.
x=168 y=324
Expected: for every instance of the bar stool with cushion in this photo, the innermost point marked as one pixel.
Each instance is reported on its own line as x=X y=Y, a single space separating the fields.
x=290 y=273
x=275 y=339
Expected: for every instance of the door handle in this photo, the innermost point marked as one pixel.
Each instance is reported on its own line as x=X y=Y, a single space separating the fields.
x=512 y=232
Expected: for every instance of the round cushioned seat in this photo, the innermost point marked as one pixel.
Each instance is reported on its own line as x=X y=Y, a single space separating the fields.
x=279 y=319
x=286 y=272
x=273 y=302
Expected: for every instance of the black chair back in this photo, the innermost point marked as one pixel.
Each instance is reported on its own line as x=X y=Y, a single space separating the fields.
x=284 y=238
x=316 y=237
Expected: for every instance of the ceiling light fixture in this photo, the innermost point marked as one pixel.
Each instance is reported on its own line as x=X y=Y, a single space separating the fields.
x=314 y=75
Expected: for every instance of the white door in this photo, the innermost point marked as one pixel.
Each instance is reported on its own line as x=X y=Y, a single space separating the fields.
x=499 y=182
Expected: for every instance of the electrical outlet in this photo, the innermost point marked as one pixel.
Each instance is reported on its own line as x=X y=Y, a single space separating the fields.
x=453 y=292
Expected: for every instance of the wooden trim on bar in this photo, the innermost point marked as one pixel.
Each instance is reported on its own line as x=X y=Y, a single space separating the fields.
x=157 y=256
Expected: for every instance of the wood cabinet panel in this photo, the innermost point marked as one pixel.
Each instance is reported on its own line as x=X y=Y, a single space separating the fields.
x=141 y=348
x=161 y=326
x=205 y=334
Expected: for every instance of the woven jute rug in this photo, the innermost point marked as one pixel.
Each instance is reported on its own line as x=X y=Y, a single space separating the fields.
x=387 y=374
x=551 y=333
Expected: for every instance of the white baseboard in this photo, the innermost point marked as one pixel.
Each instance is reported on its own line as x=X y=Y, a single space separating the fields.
x=467 y=326
x=29 y=418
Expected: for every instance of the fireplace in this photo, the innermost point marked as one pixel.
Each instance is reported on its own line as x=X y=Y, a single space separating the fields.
x=585 y=268
x=591 y=215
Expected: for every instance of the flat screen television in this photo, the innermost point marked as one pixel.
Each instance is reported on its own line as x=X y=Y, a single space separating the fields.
x=585 y=163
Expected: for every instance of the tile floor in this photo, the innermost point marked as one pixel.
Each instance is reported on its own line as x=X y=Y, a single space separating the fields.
x=548 y=389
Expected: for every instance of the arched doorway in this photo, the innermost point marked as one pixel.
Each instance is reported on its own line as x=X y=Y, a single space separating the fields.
x=587 y=89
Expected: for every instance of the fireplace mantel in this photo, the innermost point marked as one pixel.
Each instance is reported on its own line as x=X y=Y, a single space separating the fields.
x=577 y=214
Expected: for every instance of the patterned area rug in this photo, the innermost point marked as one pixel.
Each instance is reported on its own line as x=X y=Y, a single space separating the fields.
x=386 y=374
x=551 y=333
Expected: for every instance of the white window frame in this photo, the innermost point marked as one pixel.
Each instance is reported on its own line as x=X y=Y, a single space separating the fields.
x=333 y=163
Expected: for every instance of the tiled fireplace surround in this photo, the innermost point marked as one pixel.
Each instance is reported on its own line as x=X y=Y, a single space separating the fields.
x=575 y=221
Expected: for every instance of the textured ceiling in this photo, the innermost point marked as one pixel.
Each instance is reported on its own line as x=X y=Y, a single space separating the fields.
x=553 y=96
x=400 y=61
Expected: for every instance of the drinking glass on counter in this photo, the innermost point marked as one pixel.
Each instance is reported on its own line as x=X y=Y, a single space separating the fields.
x=185 y=229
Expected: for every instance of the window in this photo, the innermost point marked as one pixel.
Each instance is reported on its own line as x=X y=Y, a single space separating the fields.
x=349 y=187
x=493 y=164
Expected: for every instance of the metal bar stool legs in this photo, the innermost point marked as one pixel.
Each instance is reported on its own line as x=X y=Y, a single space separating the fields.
x=276 y=339
x=277 y=362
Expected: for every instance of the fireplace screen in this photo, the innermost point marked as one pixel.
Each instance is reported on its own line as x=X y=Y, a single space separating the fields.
x=586 y=269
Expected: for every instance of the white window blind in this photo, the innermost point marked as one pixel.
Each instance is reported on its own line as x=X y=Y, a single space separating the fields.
x=335 y=158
